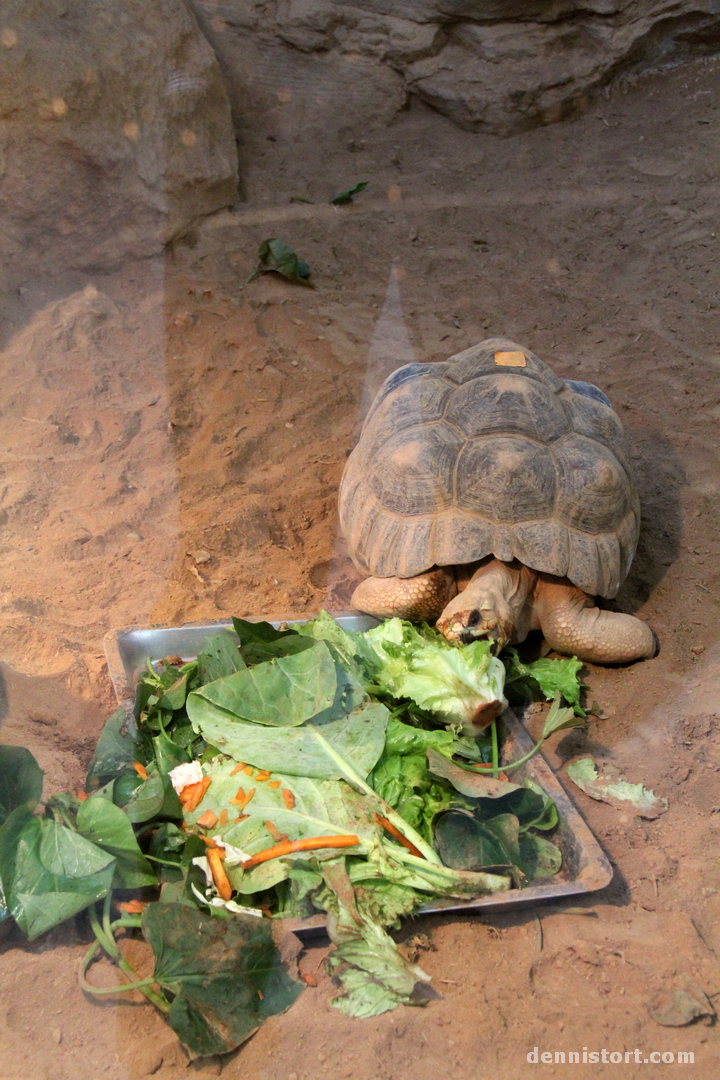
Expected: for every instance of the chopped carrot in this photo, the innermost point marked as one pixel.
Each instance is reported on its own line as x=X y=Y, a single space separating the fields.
x=275 y=784
x=242 y=817
x=192 y=794
x=248 y=770
x=140 y=770
x=288 y=797
x=241 y=799
x=238 y=768
x=309 y=843
x=394 y=831
x=81 y=794
x=223 y=819
x=262 y=775
x=277 y=836
x=208 y=820
x=308 y=979
x=218 y=872
x=260 y=994
x=132 y=907
x=210 y=843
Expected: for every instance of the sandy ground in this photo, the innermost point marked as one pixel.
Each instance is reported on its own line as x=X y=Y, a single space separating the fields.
x=171 y=445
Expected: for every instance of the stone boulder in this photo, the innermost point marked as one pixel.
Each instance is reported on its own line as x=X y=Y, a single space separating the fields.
x=490 y=65
x=115 y=132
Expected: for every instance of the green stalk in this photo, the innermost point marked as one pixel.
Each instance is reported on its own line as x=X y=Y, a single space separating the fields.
x=495 y=758
x=105 y=939
x=445 y=876
x=356 y=781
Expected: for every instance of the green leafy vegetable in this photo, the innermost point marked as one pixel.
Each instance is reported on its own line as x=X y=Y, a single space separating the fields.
x=117 y=749
x=226 y=974
x=275 y=256
x=549 y=676
x=346 y=196
x=21 y=780
x=284 y=692
x=607 y=785
x=218 y=657
x=460 y=685
x=107 y=826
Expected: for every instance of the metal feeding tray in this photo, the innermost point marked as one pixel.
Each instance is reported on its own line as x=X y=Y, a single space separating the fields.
x=585 y=866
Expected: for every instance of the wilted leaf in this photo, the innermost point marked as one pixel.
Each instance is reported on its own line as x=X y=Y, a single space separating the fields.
x=276 y=257
x=346 y=196
x=606 y=785
x=475 y=784
x=226 y=974
x=681 y=1007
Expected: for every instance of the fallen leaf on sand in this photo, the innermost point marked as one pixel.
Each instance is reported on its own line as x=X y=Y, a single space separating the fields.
x=606 y=785
x=681 y=1007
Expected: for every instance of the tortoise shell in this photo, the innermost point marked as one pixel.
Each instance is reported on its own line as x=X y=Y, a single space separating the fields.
x=490 y=452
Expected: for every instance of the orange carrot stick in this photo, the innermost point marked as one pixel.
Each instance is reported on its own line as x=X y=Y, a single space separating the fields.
x=210 y=843
x=241 y=803
x=191 y=799
x=262 y=775
x=238 y=768
x=223 y=819
x=274 y=784
x=389 y=827
x=309 y=843
x=208 y=820
x=241 y=817
x=140 y=770
x=288 y=797
x=248 y=770
x=132 y=907
x=277 y=836
x=218 y=872
x=81 y=794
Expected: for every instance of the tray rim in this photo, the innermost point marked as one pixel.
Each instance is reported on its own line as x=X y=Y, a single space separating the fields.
x=596 y=874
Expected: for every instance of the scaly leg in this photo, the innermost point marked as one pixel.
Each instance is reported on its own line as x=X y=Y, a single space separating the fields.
x=573 y=626
x=417 y=598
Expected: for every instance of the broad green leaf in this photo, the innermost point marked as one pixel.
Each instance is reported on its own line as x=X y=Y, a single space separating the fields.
x=21 y=780
x=607 y=785
x=250 y=632
x=359 y=737
x=106 y=825
x=284 y=692
x=146 y=799
x=10 y=834
x=257 y=652
x=540 y=858
x=558 y=719
x=276 y=256
x=218 y=657
x=547 y=818
x=168 y=754
x=227 y=974
x=118 y=746
x=346 y=196
x=40 y=898
x=66 y=853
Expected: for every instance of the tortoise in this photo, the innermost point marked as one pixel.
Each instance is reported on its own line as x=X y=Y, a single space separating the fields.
x=489 y=494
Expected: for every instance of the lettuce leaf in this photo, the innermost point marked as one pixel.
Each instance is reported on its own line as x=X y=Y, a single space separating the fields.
x=548 y=676
x=455 y=683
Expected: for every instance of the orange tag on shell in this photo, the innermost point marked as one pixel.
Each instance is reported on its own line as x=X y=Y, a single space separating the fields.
x=511 y=359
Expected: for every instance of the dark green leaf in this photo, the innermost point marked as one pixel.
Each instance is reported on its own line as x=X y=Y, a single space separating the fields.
x=249 y=632
x=106 y=825
x=464 y=843
x=56 y=874
x=276 y=256
x=346 y=196
x=548 y=676
x=219 y=656
x=281 y=693
x=540 y=858
x=174 y=696
x=257 y=652
x=124 y=787
x=154 y=797
x=119 y=745
x=168 y=754
x=227 y=974
x=21 y=780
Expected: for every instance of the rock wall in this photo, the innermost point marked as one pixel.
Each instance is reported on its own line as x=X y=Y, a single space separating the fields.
x=490 y=65
x=115 y=132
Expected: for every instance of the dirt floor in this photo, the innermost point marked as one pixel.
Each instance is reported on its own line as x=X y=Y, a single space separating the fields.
x=172 y=441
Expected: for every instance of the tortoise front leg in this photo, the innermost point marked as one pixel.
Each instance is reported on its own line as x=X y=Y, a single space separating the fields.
x=572 y=625
x=417 y=598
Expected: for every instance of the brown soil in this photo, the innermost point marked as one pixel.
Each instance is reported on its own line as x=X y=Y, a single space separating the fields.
x=171 y=448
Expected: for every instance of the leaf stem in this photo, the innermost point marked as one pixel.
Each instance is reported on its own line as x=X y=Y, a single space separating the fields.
x=356 y=781
x=494 y=737
x=106 y=940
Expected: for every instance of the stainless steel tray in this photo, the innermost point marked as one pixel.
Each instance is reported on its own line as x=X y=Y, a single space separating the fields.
x=585 y=866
